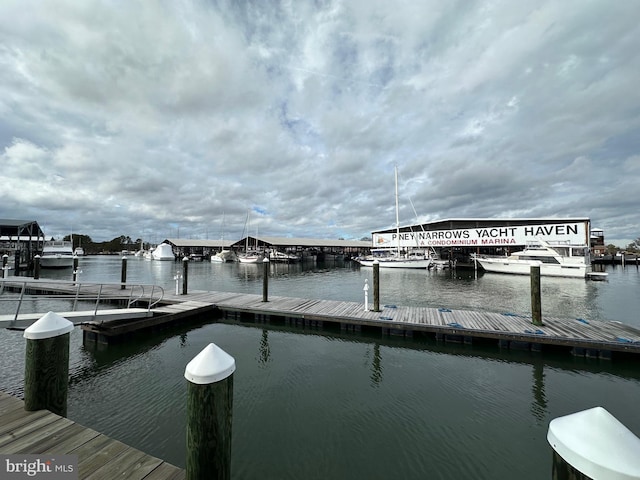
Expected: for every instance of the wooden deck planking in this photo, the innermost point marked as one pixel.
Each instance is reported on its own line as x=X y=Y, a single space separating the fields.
x=429 y=319
x=99 y=457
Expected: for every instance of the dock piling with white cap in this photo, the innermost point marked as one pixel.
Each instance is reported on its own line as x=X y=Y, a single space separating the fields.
x=209 y=411
x=46 y=377
x=593 y=444
x=123 y=273
x=185 y=275
x=265 y=279
x=376 y=286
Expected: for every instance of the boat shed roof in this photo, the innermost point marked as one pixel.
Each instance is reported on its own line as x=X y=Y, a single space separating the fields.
x=270 y=241
x=461 y=223
x=196 y=243
x=307 y=242
x=25 y=229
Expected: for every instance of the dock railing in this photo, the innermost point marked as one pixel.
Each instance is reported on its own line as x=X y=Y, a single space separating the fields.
x=75 y=292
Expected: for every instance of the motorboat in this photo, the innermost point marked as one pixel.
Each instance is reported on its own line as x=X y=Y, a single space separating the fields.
x=283 y=257
x=395 y=258
x=163 y=252
x=78 y=252
x=559 y=259
x=57 y=254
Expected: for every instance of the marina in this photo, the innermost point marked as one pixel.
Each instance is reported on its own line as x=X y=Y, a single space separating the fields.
x=506 y=330
x=378 y=405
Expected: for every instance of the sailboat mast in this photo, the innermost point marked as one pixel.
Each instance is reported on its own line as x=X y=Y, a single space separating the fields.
x=246 y=242
x=397 y=212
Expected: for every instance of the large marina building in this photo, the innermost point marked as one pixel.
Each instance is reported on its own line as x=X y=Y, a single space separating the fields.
x=458 y=238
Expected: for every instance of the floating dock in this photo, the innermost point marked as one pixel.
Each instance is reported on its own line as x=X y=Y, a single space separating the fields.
x=581 y=337
x=43 y=432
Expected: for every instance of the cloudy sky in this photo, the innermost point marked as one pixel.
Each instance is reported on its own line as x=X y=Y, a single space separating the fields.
x=158 y=119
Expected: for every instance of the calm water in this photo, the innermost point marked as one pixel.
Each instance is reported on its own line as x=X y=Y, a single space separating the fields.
x=317 y=406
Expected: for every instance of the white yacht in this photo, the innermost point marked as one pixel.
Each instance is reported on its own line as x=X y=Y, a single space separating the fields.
x=555 y=260
x=57 y=254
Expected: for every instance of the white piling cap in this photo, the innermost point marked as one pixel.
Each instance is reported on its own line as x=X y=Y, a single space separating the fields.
x=48 y=326
x=211 y=365
x=595 y=443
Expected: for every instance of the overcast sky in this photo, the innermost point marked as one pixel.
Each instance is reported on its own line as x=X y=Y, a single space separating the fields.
x=158 y=119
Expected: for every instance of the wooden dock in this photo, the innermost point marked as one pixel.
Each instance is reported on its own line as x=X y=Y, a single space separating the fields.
x=42 y=432
x=507 y=330
x=582 y=337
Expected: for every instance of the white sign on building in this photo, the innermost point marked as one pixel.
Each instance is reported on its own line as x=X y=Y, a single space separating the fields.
x=573 y=233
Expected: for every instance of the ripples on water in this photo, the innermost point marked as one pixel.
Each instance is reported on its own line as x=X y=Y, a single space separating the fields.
x=317 y=406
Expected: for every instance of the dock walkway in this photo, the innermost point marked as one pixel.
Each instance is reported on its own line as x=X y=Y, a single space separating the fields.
x=585 y=337
x=99 y=457
x=509 y=330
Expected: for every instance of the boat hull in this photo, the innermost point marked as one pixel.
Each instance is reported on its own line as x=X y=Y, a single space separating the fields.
x=56 y=261
x=521 y=267
x=251 y=259
x=396 y=263
x=57 y=254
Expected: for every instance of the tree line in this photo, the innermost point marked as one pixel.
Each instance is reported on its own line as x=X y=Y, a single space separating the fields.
x=116 y=245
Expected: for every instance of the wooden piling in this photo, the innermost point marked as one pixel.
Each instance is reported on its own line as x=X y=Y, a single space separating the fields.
x=75 y=268
x=376 y=286
x=536 y=301
x=46 y=375
x=209 y=414
x=36 y=267
x=123 y=273
x=185 y=276
x=265 y=279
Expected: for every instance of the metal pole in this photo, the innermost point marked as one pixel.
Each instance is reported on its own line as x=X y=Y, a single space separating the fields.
x=5 y=260
x=366 y=295
x=209 y=414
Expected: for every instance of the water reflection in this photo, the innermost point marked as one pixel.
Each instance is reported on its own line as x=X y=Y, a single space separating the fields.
x=376 y=366
x=539 y=404
x=264 y=349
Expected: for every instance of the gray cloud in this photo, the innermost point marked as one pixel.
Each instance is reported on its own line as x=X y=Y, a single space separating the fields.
x=145 y=118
